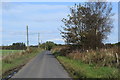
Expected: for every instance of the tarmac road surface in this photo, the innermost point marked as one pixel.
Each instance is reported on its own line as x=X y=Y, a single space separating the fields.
x=44 y=65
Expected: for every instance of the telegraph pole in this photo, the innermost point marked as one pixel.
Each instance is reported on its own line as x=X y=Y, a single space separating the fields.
x=38 y=39
x=27 y=38
x=41 y=41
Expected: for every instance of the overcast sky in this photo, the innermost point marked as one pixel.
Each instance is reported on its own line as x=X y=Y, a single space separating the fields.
x=42 y=17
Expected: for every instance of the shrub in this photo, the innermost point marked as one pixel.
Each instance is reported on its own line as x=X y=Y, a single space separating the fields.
x=102 y=57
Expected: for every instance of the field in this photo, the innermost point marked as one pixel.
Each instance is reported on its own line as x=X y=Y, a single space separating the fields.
x=9 y=52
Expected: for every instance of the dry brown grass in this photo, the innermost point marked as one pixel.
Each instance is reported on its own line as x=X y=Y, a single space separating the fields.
x=10 y=57
x=101 y=57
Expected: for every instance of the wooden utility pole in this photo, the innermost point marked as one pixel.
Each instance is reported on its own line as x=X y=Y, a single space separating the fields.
x=38 y=39
x=27 y=37
x=41 y=41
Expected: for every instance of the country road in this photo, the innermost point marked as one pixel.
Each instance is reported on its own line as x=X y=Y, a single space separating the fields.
x=44 y=65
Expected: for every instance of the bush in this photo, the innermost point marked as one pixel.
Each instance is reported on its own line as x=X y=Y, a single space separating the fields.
x=101 y=57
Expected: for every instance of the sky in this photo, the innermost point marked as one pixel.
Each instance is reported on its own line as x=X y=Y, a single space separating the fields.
x=41 y=17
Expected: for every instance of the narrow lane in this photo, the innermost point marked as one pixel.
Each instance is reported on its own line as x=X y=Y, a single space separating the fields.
x=45 y=65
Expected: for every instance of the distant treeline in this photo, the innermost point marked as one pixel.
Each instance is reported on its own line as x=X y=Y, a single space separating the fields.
x=49 y=45
x=15 y=46
x=109 y=45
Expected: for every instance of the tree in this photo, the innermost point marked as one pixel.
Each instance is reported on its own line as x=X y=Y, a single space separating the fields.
x=18 y=46
x=88 y=24
x=48 y=45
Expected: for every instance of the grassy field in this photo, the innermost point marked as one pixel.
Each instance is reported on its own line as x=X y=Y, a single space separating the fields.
x=9 y=52
x=17 y=58
x=78 y=69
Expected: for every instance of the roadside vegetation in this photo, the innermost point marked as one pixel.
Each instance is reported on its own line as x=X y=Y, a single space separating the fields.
x=89 y=64
x=15 y=60
x=85 y=54
x=79 y=69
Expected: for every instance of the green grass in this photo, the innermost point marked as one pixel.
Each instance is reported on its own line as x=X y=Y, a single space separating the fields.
x=5 y=53
x=9 y=52
x=78 y=69
x=18 y=61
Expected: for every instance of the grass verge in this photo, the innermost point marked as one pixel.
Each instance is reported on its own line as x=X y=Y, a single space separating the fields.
x=78 y=69
x=18 y=61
